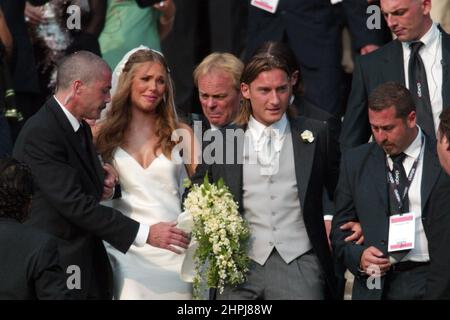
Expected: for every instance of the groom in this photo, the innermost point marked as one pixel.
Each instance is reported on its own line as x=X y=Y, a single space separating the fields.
x=280 y=192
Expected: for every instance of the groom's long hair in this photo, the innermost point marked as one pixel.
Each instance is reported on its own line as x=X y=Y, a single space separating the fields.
x=257 y=64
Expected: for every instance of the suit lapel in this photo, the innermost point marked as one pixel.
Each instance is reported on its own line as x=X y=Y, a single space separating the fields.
x=445 y=69
x=430 y=172
x=376 y=165
x=394 y=69
x=85 y=159
x=93 y=154
x=303 y=158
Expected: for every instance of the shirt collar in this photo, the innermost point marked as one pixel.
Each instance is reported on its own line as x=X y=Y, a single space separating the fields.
x=214 y=127
x=258 y=128
x=428 y=38
x=413 y=150
x=73 y=121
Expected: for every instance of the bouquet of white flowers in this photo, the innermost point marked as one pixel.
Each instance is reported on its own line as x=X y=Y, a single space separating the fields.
x=221 y=234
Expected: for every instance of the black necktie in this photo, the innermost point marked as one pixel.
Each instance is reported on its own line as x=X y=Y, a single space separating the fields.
x=82 y=138
x=398 y=170
x=418 y=86
x=399 y=174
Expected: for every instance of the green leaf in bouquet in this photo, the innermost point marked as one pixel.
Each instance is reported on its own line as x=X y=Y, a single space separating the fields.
x=187 y=183
x=220 y=183
x=206 y=181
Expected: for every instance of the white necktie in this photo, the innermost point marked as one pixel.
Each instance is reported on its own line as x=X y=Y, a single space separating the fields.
x=266 y=155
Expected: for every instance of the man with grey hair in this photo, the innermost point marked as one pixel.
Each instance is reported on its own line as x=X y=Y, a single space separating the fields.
x=70 y=180
x=218 y=80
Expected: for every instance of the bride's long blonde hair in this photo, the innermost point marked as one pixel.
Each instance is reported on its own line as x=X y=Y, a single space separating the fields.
x=112 y=131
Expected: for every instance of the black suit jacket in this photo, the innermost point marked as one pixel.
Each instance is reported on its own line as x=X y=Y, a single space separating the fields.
x=66 y=203
x=372 y=70
x=309 y=110
x=29 y=267
x=438 y=281
x=312 y=170
x=362 y=195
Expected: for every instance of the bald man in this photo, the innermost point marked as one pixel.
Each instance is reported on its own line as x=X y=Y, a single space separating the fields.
x=70 y=180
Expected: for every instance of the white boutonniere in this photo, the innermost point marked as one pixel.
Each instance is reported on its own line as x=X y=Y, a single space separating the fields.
x=307 y=136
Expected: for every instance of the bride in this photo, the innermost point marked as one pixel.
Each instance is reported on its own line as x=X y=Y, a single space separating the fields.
x=136 y=138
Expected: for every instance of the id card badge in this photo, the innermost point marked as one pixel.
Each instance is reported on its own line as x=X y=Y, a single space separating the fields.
x=267 y=5
x=402 y=229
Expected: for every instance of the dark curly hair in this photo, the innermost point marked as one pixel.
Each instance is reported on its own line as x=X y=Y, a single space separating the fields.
x=16 y=189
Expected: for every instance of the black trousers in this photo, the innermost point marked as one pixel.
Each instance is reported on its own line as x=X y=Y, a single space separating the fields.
x=406 y=285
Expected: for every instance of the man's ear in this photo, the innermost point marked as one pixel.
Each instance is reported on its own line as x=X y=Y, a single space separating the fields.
x=245 y=91
x=412 y=119
x=426 y=7
x=77 y=87
x=445 y=142
x=294 y=77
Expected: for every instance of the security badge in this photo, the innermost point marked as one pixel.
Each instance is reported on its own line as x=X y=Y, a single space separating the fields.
x=267 y=5
x=401 y=232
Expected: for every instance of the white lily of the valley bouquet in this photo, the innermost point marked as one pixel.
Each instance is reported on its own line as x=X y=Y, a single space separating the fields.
x=219 y=237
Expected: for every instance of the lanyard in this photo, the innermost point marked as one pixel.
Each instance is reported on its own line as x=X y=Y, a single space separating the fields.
x=394 y=183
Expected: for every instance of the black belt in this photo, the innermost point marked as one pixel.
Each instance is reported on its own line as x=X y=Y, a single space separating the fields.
x=407 y=265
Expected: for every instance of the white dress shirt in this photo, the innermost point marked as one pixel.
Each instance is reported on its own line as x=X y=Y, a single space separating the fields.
x=431 y=54
x=420 y=251
x=141 y=237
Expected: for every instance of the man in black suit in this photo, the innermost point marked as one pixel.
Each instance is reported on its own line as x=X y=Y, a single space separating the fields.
x=70 y=180
x=385 y=180
x=278 y=179
x=29 y=267
x=423 y=68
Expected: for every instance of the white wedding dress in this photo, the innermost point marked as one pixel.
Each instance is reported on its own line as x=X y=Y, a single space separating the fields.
x=149 y=195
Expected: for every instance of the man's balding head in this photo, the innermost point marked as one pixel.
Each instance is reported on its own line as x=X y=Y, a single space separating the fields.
x=82 y=65
x=83 y=83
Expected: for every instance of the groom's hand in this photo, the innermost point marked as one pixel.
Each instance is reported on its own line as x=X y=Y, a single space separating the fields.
x=165 y=235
